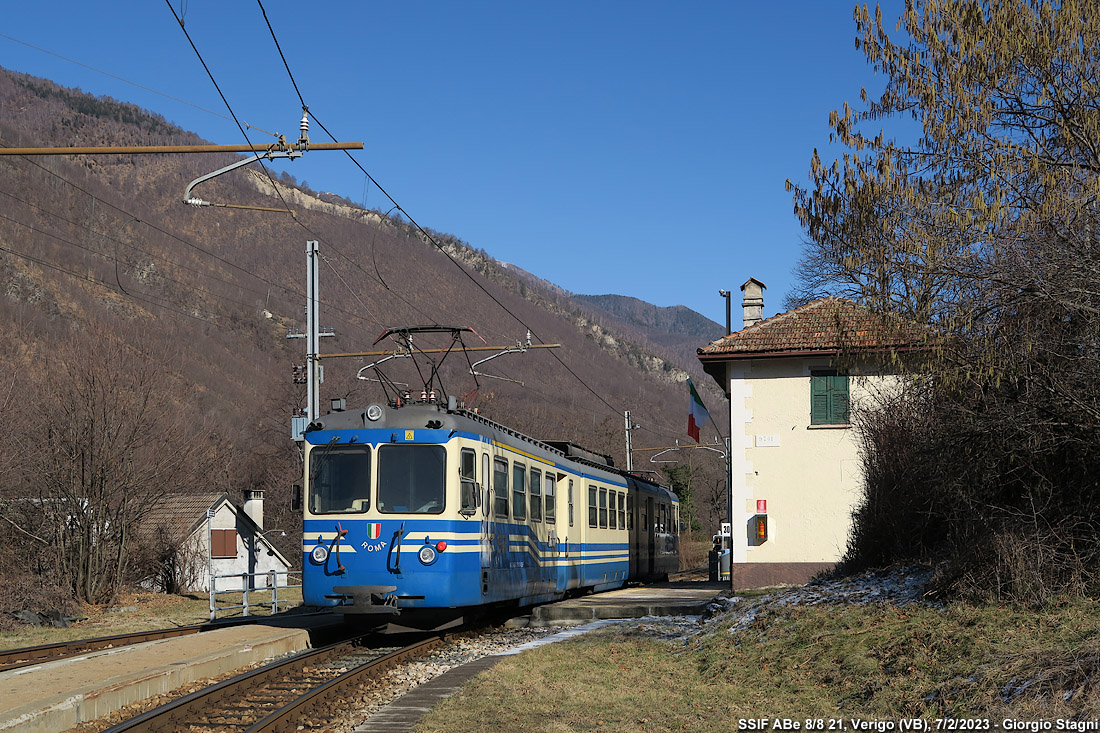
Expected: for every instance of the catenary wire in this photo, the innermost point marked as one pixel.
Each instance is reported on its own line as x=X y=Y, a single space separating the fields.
x=416 y=224
x=115 y=76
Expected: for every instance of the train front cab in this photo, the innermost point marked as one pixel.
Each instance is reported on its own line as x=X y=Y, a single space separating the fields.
x=384 y=526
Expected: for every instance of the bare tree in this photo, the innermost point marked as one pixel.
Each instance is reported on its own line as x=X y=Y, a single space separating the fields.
x=986 y=227
x=109 y=438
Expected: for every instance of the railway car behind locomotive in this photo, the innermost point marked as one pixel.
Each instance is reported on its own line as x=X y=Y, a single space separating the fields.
x=425 y=506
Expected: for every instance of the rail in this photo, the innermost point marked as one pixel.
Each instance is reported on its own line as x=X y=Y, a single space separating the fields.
x=217 y=705
x=27 y=656
x=249 y=587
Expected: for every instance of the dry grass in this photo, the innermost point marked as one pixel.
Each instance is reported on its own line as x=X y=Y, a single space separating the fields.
x=141 y=611
x=693 y=553
x=870 y=663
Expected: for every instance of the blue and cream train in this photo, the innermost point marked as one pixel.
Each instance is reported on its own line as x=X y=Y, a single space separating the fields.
x=427 y=506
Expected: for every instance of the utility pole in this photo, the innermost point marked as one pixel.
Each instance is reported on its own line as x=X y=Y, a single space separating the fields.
x=315 y=374
x=313 y=340
x=629 y=450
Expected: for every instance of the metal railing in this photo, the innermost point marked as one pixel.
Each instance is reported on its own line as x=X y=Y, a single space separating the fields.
x=250 y=587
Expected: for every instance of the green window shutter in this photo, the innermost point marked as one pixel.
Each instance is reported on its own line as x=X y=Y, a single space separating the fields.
x=819 y=400
x=828 y=398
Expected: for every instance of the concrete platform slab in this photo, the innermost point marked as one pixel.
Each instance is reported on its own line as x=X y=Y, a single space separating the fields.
x=54 y=696
x=676 y=598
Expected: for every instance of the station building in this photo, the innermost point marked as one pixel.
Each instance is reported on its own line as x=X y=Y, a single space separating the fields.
x=795 y=381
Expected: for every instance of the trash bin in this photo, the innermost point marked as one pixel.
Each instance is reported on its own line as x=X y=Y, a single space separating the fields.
x=724 y=565
x=712 y=565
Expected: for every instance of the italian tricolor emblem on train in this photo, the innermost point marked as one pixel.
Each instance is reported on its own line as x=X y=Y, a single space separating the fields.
x=374 y=530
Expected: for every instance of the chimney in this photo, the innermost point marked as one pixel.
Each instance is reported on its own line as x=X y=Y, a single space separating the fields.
x=254 y=506
x=754 y=301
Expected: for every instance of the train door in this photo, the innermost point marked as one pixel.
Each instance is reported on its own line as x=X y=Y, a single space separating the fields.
x=632 y=532
x=650 y=528
x=486 y=512
x=571 y=541
x=552 y=547
x=493 y=577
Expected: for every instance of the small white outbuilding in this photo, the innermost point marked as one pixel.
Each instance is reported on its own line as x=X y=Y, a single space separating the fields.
x=197 y=532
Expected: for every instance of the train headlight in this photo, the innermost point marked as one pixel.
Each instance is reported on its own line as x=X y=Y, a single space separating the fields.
x=427 y=554
x=319 y=554
x=374 y=412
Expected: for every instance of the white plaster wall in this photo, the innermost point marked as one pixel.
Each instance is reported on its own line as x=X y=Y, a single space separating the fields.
x=811 y=477
x=225 y=518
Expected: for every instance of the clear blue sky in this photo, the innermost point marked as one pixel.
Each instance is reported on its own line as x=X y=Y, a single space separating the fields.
x=628 y=147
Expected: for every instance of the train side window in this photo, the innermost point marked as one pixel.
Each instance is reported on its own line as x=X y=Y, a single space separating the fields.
x=519 y=491
x=570 y=502
x=622 y=510
x=500 y=488
x=603 y=508
x=536 y=495
x=485 y=483
x=591 y=506
x=550 y=499
x=467 y=478
x=612 y=518
x=630 y=513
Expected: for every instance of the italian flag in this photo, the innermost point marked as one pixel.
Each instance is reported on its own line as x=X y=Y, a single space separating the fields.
x=697 y=413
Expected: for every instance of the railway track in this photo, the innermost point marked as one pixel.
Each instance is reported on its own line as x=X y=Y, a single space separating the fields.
x=281 y=696
x=26 y=656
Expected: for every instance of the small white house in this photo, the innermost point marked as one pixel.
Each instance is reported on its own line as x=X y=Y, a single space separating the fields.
x=205 y=531
x=796 y=472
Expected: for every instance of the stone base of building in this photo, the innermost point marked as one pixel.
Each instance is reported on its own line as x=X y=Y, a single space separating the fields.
x=764 y=574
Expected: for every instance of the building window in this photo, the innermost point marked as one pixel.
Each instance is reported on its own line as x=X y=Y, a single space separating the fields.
x=828 y=397
x=223 y=543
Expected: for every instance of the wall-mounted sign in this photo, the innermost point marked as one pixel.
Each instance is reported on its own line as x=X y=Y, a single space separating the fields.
x=767 y=441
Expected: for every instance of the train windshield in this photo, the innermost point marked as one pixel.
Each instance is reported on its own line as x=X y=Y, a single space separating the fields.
x=340 y=479
x=411 y=478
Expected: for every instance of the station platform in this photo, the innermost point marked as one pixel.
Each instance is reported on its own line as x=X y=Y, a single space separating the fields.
x=61 y=694
x=673 y=598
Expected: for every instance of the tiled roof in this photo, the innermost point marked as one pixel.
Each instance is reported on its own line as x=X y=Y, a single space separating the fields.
x=828 y=325
x=177 y=515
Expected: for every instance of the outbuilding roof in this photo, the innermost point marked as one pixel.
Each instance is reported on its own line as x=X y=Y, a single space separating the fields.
x=828 y=325
x=178 y=515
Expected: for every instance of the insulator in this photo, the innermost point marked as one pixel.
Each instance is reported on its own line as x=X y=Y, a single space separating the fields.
x=423 y=395
x=304 y=124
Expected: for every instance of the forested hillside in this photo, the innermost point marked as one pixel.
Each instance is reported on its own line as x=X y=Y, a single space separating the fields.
x=147 y=346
